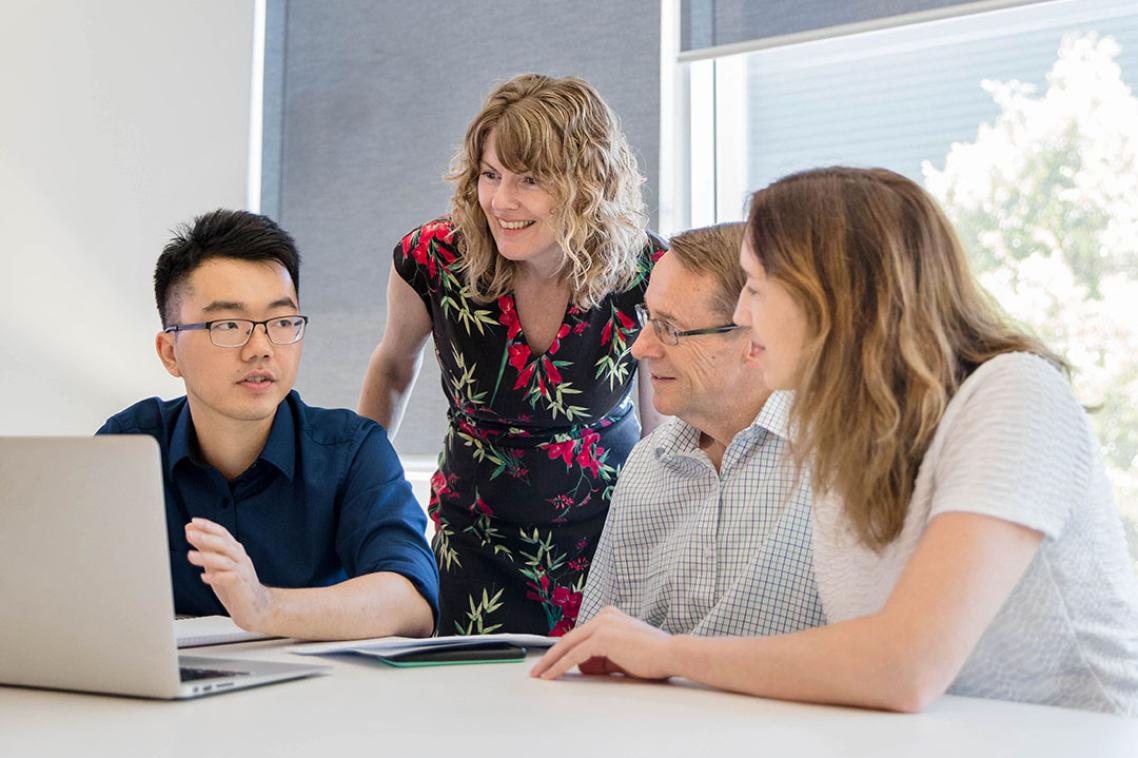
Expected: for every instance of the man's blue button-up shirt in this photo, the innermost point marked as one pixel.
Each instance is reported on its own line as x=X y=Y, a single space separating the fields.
x=325 y=501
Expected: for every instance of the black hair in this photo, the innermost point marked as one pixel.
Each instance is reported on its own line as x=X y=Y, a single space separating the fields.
x=220 y=234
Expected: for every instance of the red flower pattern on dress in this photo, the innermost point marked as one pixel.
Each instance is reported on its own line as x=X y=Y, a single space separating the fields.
x=584 y=450
x=561 y=502
x=419 y=247
x=590 y=454
x=477 y=432
x=439 y=484
x=537 y=590
x=439 y=489
x=479 y=506
x=562 y=333
x=421 y=257
x=551 y=371
x=570 y=604
x=525 y=376
x=518 y=355
x=509 y=317
x=563 y=451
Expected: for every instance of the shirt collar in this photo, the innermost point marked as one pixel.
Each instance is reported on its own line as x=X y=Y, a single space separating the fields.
x=180 y=445
x=775 y=414
x=675 y=437
x=279 y=450
x=678 y=437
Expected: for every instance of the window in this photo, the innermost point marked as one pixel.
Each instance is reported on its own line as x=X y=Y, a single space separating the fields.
x=1022 y=121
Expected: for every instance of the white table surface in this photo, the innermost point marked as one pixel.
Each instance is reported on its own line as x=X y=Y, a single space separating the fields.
x=363 y=708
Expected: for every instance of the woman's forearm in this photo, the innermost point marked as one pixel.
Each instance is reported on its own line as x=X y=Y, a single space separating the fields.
x=386 y=389
x=812 y=666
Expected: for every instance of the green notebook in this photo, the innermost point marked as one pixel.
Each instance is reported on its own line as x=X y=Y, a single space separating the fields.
x=457 y=655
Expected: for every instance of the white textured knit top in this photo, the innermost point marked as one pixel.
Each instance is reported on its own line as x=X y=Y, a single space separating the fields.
x=1014 y=444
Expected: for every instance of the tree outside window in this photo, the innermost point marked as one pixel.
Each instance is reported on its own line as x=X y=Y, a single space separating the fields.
x=1046 y=201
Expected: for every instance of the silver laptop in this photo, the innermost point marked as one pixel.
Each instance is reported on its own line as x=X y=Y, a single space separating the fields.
x=85 y=595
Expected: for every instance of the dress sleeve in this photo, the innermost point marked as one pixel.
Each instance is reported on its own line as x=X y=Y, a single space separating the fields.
x=381 y=525
x=425 y=255
x=1019 y=449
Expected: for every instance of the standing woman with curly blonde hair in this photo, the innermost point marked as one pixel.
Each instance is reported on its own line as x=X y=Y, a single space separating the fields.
x=529 y=290
x=964 y=534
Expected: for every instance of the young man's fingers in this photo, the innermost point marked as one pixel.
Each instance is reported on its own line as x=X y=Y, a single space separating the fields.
x=207 y=526
x=217 y=577
x=211 y=561
x=214 y=544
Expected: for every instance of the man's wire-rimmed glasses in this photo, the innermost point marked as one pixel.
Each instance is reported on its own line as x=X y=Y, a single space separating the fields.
x=669 y=334
x=236 y=332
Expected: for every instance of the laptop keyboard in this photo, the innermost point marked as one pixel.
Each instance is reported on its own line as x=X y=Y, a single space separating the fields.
x=192 y=675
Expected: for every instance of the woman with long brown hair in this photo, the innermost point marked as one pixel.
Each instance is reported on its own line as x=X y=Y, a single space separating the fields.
x=964 y=534
x=529 y=290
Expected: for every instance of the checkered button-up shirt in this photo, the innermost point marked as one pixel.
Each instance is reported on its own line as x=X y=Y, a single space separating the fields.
x=695 y=551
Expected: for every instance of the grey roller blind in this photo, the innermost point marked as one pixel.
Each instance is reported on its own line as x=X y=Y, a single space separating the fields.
x=366 y=101
x=714 y=23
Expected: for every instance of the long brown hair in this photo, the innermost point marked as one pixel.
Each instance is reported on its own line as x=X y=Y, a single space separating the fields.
x=895 y=323
x=562 y=132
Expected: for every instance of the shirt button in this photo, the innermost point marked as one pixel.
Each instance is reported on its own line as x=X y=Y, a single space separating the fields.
x=224 y=503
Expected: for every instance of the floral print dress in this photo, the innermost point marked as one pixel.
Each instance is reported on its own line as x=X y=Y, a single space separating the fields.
x=533 y=446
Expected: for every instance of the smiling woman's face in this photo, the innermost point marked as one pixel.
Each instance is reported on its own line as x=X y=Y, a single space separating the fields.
x=519 y=211
x=777 y=322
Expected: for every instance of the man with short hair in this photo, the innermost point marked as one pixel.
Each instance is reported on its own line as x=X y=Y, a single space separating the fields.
x=709 y=528
x=294 y=520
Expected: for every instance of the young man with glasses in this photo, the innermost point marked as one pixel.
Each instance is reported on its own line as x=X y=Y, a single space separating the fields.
x=709 y=528
x=296 y=521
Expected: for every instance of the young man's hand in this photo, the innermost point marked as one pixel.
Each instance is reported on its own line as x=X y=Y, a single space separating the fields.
x=230 y=572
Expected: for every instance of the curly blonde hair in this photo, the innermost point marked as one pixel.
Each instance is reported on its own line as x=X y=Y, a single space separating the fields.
x=895 y=323
x=562 y=132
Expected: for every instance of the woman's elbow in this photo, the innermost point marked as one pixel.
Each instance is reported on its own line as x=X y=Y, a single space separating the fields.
x=912 y=700
x=915 y=687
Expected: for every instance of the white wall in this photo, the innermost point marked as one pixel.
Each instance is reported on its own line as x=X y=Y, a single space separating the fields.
x=119 y=119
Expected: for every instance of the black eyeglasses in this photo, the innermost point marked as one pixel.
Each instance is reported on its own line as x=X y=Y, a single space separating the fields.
x=236 y=332
x=669 y=334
